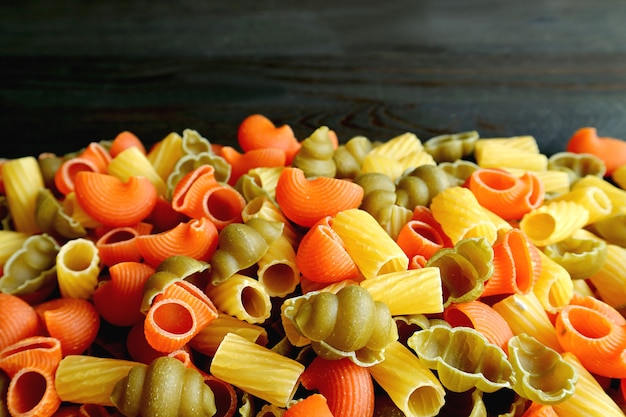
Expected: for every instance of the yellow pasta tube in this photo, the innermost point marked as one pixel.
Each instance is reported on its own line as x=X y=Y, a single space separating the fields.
x=277 y=269
x=410 y=384
x=210 y=337
x=10 y=241
x=593 y=198
x=372 y=249
x=515 y=152
x=554 y=287
x=86 y=379
x=132 y=162
x=461 y=215
x=610 y=280
x=165 y=154
x=415 y=159
x=615 y=194
x=245 y=365
x=242 y=297
x=22 y=180
x=78 y=267
x=415 y=291
x=382 y=164
x=554 y=222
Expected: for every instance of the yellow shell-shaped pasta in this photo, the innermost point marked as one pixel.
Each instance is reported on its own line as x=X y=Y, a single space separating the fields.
x=78 y=267
x=553 y=222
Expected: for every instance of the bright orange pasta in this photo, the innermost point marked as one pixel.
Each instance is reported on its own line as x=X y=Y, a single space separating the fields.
x=138 y=347
x=125 y=140
x=32 y=393
x=313 y=405
x=419 y=238
x=64 y=176
x=257 y=132
x=241 y=163
x=18 y=320
x=41 y=352
x=118 y=244
x=540 y=410
x=610 y=150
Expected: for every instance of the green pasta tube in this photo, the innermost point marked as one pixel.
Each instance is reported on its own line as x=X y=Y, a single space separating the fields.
x=451 y=147
x=315 y=157
x=581 y=257
x=51 y=218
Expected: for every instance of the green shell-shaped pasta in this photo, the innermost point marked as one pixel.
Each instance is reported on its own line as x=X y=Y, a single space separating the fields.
x=451 y=147
x=191 y=161
x=464 y=269
x=577 y=165
x=459 y=170
x=463 y=358
x=612 y=229
x=172 y=269
x=165 y=388
x=418 y=186
x=581 y=257
x=31 y=267
x=51 y=218
x=541 y=374
x=241 y=245
x=315 y=157
x=194 y=143
x=250 y=189
x=346 y=324
x=349 y=157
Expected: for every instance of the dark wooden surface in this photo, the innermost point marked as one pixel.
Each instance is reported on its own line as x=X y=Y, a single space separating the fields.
x=72 y=71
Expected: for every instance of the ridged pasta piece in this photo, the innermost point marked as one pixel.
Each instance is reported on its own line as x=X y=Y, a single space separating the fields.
x=417 y=291
x=305 y=201
x=593 y=198
x=133 y=162
x=420 y=238
x=243 y=364
x=481 y=317
x=315 y=156
x=263 y=208
x=170 y=323
x=241 y=163
x=32 y=393
x=73 y=321
x=40 y=352
x=616 y=195
x=611 y=151
x=349 y=156
x=124 y=140
x=367 y=243
x=73 y=208
x=259 y=182
x=210 y=337
x=277 y=269
x=257 y=131
x=98 y=153
x=612 y=229
x=610 y=281
x=463 y=358
x=452 y=146
x=10 y=242
x=553 y=222
x=461 y=215
x=541 y=374
x=413 y=388
x=22 y=180
x=196 y=238
x=619 y=176
x=577 y=165
x=581 y=256
x=419 y=185
x=118 y=244
x=225 y=396
x=138 y=348
x=165 y=388
x=314 y=404
x=554 y=182
x=52 y=218
x=66 y=173
x=78 y=268
x=113 y=202
x=18 y=320
x=191 y=161
x=511 y=152
x=242 y=297
x=165 y=154
x=540 y=410
x=554 y=287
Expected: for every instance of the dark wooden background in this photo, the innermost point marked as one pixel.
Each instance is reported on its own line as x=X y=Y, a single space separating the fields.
x=75 y=71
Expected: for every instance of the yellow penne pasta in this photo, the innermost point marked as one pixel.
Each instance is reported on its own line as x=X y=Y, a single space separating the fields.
x=554 y=287
x=22 y=181
x=554 y=182
x=78 y=267
x=165 y=154
x=554 y=222
x=132 y=162
x=593 y=198
x=372 y=249
x=10 y=241
x=210 y=337
x=415 y=159
x=415 y=291
x=242 y=297
x=277 y=269
x=610 y=281
x=615 y=194
x=413 y=387
x=244 y=364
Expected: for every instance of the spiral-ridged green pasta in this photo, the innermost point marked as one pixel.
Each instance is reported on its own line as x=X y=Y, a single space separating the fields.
x=349 y=157
x=315 y=157
x=451 y=147
x=51 y=218
x=582 y=257
x=418 y=186
x=346 y=324
x=464 y=269
x=577 y=165
x=165 y=388
x=612 y=229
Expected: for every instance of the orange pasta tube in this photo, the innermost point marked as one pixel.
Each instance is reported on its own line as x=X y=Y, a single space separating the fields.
x=257 y=132
x=32 y=393
x=419 y=238
x=113 y=202
x=348 y=387
x=123 y=141
x=305 y=201
x=313 y=405
x=503 y=193
x=610 y=150
x=18 y=320
x=241 y=163
x=118 y=244
x=41 y=352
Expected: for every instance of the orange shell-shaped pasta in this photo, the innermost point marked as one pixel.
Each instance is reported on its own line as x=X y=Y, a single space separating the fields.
x=313 y=405
x=118 y=244
x=425 y=215
x=322 y=257
x=241 y=163
x=540 y=410
x=41 y=352
x=97 y=154
x=18 y=320
x=611 y=151
x=196 y=238
x=123 y=141
x=483 y=318
x=163 y=216
x=601 y=307
x=118 y=300
x=65 y=175
x=257 y=131
x=74 y=321
x=191 y=187
x=305 y=201
x=113 y=202
x=138 y=347
x=419 y=238
x=197 y=299
x=170 y=323
x=32 y=393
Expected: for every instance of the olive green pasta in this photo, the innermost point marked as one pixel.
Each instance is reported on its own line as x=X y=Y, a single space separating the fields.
x=581 y=257
x=464 y=269
x=459 y=170
x=451 y=147
x=48 y=165
x=165 y=388
x=541 y=374
x=349 y=157
x=612 y=229
x=31 y=267
x=5 y=214
x=194 y=143
x=51 y=218
x=577 y=165
x=421 y=184
x=463 y=358
x=346 y=324
x=248 y=186
x=315 y=157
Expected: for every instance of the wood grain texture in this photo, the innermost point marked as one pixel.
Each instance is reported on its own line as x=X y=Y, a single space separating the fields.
x=72 y=72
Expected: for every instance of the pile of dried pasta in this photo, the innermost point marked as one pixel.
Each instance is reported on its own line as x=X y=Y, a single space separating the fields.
x=293 y=277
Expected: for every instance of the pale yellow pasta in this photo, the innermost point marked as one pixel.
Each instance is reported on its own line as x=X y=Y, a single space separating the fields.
x=589 y=398
x=415 y=291
x=461 y=216
x=382 y=164
x=554 y=222
x=615 y=194
x=210 y=337
x=372 y=249
x=262 y=207
x=165 y=154
x=277 y=269
x=86 y=379
x=398 y=147
x=266 y=178
x=515 y=152
x=610 y=280
x=554 y=182
x=593 y=198
x=554 y=288
x=132 y=162
x=75 y=210
x=245 y=365
x=415 y=159
x=500 y=224
x=619 y=177
x=242 y=297
x=582 y=288
x=525 y=314
x=413 y=388
x=22 y=181
x=78 y=267
x=10 y=241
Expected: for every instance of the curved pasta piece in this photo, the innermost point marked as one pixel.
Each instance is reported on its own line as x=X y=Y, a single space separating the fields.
x=420 y=238
x=191 y=161
x=98 y=154
x=463 y=358
x=163 y=217
x=512 y=152
x=40 y=352
x=257 y=131
x=540 y=410
x=241 y=163
x=541 y=374
x=305 y=201
x=581 y=257
x=451 y=147
x=553 y=222
x=616 y=195
x=418 y=186
x=209 y=338
x=312 y=405
x=73 y=321
x=164 y=154
x=18 y=320
x=619 y=177
x=138 y=348
x=612 y=229
x=610 y=150
x=196 y=238
x=32 y=393
x=113 y=202
x=165 y=388
x=577 y=165
x=22 y=180
x=170 y=323
x=593 y=198
x=349 y=157
x=315 y=156
x=242 y=297
x=65 y=175
x=118 y=244
x=225 y=396
x=554 y=287
x=609 y=280
x=133 y=162
x=78 y=268
x=263 y=208
x=124 y=140
x=52 y=218
x=10 y=242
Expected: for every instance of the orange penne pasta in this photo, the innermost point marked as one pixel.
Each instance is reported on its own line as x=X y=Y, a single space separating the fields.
x=313 y=405
x=241 y=163
x=257 y=132
x=348 y=387
x=32 y=393
x=196 y=238
x=18 y=320
x=322 y=256
x=119 y=245
x=113 y=202
x=74 y=321
x=305 y=201
x=41 y=352
x=123 y=141
x=118 y=300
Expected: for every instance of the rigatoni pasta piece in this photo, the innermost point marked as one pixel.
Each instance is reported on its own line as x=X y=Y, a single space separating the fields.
x=133 y=162
x=165 y=153
x=554 y=287
x=242 y=297
x=593 y=198
x=616 y=195
x=277 y=268
x=78 y=268
x=24 y=401
x=209 y=338
x=610 y=281
x=512 y=152
x=554 y=222
x=22 y=180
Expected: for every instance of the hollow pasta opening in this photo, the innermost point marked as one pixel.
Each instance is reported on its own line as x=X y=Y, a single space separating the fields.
x=174 y=318
x=29 y=389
